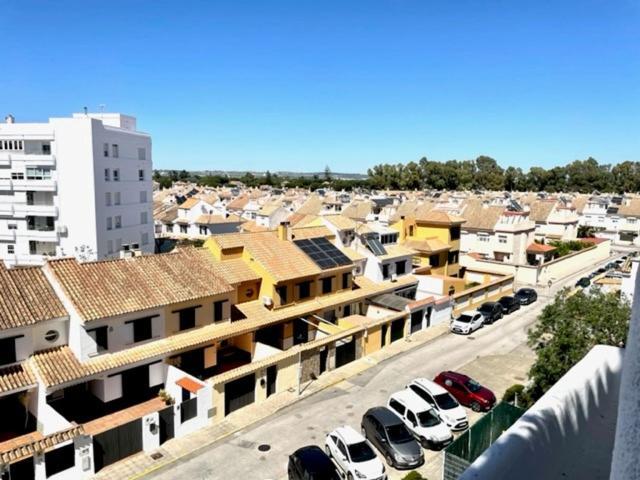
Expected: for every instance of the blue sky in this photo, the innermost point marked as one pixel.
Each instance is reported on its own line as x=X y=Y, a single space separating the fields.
x=297 y=85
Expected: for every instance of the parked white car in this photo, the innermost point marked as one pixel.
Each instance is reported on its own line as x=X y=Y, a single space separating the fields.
x=442 y=401
x=353 y=455
x=467 y=322
x=421 y=419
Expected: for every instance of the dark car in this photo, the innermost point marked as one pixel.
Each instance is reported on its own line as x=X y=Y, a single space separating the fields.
x=386 y=431
x=311 y=463
x=611 y=265
x=509 y=304
x=601 y=270
x=491 y=311
x=466 y=390
x=583 y=282
x=526 y=296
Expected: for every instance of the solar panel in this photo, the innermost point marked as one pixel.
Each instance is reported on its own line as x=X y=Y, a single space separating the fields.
x=373 y=243
x=323 y=253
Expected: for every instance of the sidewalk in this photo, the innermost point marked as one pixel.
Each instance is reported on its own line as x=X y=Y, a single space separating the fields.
x=141 y=464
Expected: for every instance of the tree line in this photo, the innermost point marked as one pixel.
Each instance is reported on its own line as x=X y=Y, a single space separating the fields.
x=483 y=173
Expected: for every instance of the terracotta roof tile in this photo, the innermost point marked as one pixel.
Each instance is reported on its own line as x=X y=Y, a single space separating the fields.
x=540 y=248
x=479 y=216
x=189 y=384
x=189 y=203
x=235 y=271
x=16 y=377
x=302 y=233
x=113 y=287
x=28 y=445
x=429 y=245
x=27 y=298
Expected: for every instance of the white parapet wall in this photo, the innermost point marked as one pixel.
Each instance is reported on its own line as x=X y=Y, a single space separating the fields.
x=568 y=433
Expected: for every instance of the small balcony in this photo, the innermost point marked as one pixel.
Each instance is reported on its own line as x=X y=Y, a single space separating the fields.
x=30 y=159
x=7 y=235
x=6 y=209
x=40 y=234
x=23 y=210
x=35 y=185
x=6 y=184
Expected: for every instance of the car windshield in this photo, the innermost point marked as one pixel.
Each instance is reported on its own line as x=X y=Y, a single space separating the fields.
x=446 y=401
x=464 y=319
x=428 y=418
x=361 y=452
x=327 y=473
x=473 y=385
x=398 y=434
x=506 y=300
x=485 y=308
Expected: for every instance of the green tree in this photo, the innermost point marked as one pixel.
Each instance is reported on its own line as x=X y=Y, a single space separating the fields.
x=327 y=173
x=568 y=328
x=489 y=175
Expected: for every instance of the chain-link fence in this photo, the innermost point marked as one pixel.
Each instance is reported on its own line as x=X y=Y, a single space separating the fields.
x=472 y=443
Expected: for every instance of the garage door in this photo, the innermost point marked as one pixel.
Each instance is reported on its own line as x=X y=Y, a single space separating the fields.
x=416 y=321
x=346 y=353
x=117 y=443
x=397 y=329
x=239 y=393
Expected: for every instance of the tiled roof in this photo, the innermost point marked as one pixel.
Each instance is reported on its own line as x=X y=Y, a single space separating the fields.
x=630 y=210
x=340 y=222
x=215 y=219
x=540 y=248
x=16 y=377
x=27 y=298
x=358 y=210
x=169 y=215
x=311 y=206
x=189 y=203
x=437 y=216
x=189 y=384
x=268 y=209
x=238 y=203
x=302 y=233
x=235 y=271
x=394 y=251
x=28 y=445
x=352 y=254
x=114 y=287
x=252 y=227
x=540 y=210
x=479 y=216
x=429 y=245
x=124 y=416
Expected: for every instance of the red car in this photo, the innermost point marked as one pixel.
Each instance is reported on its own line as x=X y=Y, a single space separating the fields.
x=467 y=391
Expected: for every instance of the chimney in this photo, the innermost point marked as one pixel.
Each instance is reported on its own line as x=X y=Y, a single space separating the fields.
x=10 y=119
x=283 y=231
x=403 y=232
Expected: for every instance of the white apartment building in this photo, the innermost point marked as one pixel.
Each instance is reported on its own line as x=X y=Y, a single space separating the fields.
x=78 y=186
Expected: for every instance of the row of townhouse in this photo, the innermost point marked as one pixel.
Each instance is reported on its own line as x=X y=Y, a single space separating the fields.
x=103 y=359
x=616 y=218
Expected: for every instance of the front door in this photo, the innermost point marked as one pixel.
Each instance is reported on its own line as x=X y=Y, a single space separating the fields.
x=416 y=321
x=323 y=359
x=166 y=424
x=272 y=375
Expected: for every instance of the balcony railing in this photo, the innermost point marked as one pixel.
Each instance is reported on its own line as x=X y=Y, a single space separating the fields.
x=29 y=158
x=48 y=185
x=26 y=209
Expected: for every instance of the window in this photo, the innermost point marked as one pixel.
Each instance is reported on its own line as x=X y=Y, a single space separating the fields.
x=46 y=149
x=115 y=150
x=116 y=174
x=142 y=153
x=144 y=239
x=281 y=291
x=109 y=223
x=109 y=246
x=105 y=149
x=218 y=310
x=502 y=239
x=401 y=268
x=11 y=249
x=483 y=237
x=422 y=394
x=141 y=329
x=141 y=175
x=397 y=406
x=36 y=173
x=411 y=230
x=385 y=271
x=631 y=220
x=452 y=257
x=59 y=460
x=455 y=233
x=116 y=198
x=346 y=280
x=143 y=218
x=187 y=317
x=434 y=260
x=101 y=337
x=52 y=336
x=304 y=290
x=183 y=228
x=8 y=350
x=143 y=196
x=107 y=175
x=12 y=226
x=17 y=176
x=118 y=221
x=412 y=418
x=107 y=199
x=326 y=284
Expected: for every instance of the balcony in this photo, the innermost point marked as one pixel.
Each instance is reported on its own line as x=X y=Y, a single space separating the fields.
x=6 y=184
x=22 y=210
x=42 y=235
x=6 y=209
x=30 y=159
x=35 y=185
x=7 y=235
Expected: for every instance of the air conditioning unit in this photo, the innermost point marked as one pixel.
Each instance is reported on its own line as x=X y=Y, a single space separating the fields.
x=394 y=277
x=62 y=229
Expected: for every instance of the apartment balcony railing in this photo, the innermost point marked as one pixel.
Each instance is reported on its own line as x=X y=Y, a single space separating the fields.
x=48 y=235
x=6 y=209
x=48 y=185
x=39 y=210
x=8 y=235
x=6 y=184
x=30 y=159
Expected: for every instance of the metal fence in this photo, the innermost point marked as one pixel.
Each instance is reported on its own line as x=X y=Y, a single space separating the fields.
x=472 y=443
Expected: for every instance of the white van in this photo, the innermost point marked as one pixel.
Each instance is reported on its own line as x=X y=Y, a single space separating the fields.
x=447 y=407
x=421 y=419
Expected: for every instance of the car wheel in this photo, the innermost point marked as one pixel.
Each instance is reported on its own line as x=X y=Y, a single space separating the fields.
x=389 y=460
x=349 y=476
x=475 y=406
x=328 y=451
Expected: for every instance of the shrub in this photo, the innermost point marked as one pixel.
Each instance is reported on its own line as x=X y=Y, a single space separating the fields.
x=413 y=476
x=518 y=390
